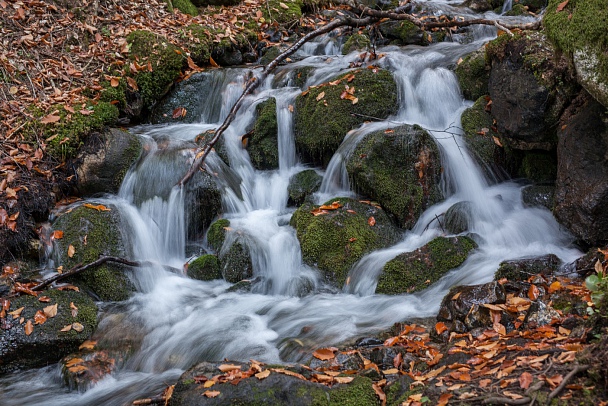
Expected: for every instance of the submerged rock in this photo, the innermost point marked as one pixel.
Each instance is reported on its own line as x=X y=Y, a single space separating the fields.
x=46 y=343
x=458 y=217
x=376 y=94
x=302 y=185
x=89 y=233
x=232 y=250
x=333 y=241
x=400 y=169
x=581 y=196
x=104 y=160
x=275 y=389
x=416 y=270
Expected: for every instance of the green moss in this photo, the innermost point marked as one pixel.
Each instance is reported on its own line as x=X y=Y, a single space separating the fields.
x=356 y=42
x=376 y=92
x=165 y=59
x=302 y=185
x=217 y=234
x=335 y=241
x=205 y=268
x=495 y=49
x=473 y=75
x=539 y=166
x=358 y=392
x=272 y=11
x=94 y=233
x=479 y=131
x=270 y=54
x=115 y=95
x=199 y=42
x=517 y=10
x=415 y=271
x=263 y=146
x=186 y=7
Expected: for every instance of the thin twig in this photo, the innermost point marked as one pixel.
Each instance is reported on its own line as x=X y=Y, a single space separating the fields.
x=567 y=378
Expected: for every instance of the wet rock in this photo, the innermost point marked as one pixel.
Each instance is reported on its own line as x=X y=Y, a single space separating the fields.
x=482 y=5
x=540 y=314
x=539 y=195
x=479 y=133
x=233 y=252
x=302 y=185
x=400 y=169
x=93 y=233
x=376 y=92
x=356 y=42
x=186 y=94
x=415 y=271
x=407 y=33
x=227 y=56
x=457 y=304
x=538 y=166
x=47 y=343
x=263 y=145
x=534 y=5
x=276 y=389
x=458 y=217
x=473 y=75
x=529 y=88
x=581 y=195
x=104 y=160
x=335 y=240
x=205 y=268
x=523 y=269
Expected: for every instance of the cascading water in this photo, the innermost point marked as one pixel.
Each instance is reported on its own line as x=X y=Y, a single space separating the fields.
x=177 y=321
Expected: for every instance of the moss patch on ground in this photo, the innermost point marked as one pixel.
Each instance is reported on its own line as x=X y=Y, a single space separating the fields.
x=376 y=94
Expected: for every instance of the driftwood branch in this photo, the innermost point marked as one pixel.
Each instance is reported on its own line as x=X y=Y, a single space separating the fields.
x=81 y=268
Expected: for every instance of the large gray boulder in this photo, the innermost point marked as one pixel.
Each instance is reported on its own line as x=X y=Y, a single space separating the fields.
x=581 y=196
x=400 y=169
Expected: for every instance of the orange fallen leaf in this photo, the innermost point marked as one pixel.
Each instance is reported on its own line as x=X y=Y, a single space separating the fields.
x=16 y=313
x=99 y=207
x=561 y=6
x=211 y=393
x=324 y=354
x=57 y=234
x=87 y=345
x=132 y=83
x=29 y=328
x=229 y=367
x=320 y=96
x=444 y=399
x=66 y=328
x=50 y=311
x=263 y=374
x=74 y=309
x=525 y=379
x=380 y=393
x=50 y=119
x=440 y=327
x=343 y=379
x=533 y=292
x=371 y=221
x=71 y=251
x=555 y=286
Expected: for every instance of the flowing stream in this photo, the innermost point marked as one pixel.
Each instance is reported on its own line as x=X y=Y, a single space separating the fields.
x=177 y=321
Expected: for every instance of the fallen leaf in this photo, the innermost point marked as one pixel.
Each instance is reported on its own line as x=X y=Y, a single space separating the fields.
x=67 y=328
x=74 y=309
x=561 y=6
x=44 y=299
x=87 y=345
x=50 y=311
x=179 y=112
x=132 y=83
x=99 y=207
x=16 y=313
x=263 y=374
x=71 y=251
x=324 y=354
x=114 y=82
x=29 y=328
x=440 y=327
x=380 y=393
x=320 y=96
x=229 y=367
x=525 y=379
x=213 y=63
x=50 y=119
x=371 y=221
x=283 y=5
x=57 y=234
x=78 y=327
x=343 y=379
x=444 y=399
x=208 y=384
x=533 y=292
x=211 y=393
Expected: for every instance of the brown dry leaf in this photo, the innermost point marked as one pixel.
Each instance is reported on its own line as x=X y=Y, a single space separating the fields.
x=290 y=108
x=525 y=380
x=229 y=367
x=555 y=380
x=44 y=299
x=444 y=399
x=50 y=311
x=132 y=83
x=209 y=383
x=211 y=393
x=179 y=112
x=283 y=5
x=29 y=328
x=16 y=313
x=561 y=6
x=497 y=141
x=288 y=372
x=50 y=119
x=320 y=96
x=88 y=345
x=440 y=327
x=71 y=251
x=380 y=393
x=57 y=234
x=114 y=82
x=391 y=371
x=533 y=292
x=213 y=63
x=99 y=207
x=78 y=327
x=324 y=354
x=343 y=379
x=263 y=374
x=371 y=221
x=555 y=286
x=66 y=328
x=74 y=309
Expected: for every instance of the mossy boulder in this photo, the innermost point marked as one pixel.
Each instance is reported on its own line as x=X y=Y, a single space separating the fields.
x=458 y=217
x=517 y=10
x=356 y=42
x=376 y=94
x=104 y=160
x=335 y=240
x=232 y=251
x=302 y=185
x=400 y=169
x=185 y=6
x=530 y=87
x=186 y=94
x=205 y=268
x=479 y=133
x=46 y=344
x=579 y=30
x=416 y=270
x=93 y=233
x=282 y=11
x=473 y=75
x=403 y=33
x=263 y=144
x=276 y=389
x=522 y=269
x=165 y=58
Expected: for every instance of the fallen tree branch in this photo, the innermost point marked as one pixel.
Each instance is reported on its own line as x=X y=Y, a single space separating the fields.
x=567 y=378
x=507 y=401
x=80 y=268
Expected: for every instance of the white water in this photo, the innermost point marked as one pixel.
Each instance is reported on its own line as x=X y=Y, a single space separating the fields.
x=179 y=321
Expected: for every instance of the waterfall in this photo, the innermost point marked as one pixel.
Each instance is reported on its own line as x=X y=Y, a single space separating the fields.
x=178 y=321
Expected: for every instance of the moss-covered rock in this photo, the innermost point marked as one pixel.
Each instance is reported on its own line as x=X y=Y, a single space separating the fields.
x=263 y=145
x=104 y=160
x=458 y=217
x=335 y=240
x=269 y=54
x=47 y=343
x=233 y=252
x=376 y=94
x=416 y=270
x=479 y=133
x=473 y=75
x=216 y=235
x=205 y=268
x=274 y=11
x=356 y=42
x=93 y=233
x=579 y=30
x=165 y=59
x=276 y=389
x=403 y=33
x=302 y=185
x=523 y=269
x=517 y=10
x=185 y=6
x=400 y=169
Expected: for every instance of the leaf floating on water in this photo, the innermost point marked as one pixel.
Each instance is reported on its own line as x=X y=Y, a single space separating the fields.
x=263 y=374
x=78 y=327
x=50 y=311
x=98 y=207
x=71 y=251
x=324 y=354
x=211 y=393
x=29 y=328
